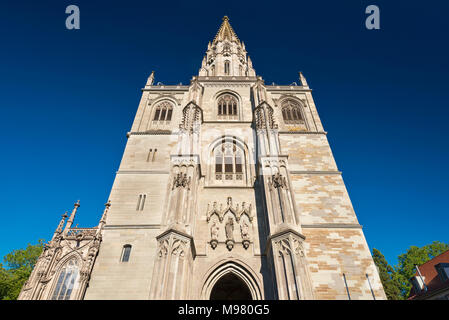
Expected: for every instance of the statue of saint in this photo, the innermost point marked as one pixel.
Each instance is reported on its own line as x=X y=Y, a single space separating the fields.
x=244 y=230
x=229 y=228
x=214 y=231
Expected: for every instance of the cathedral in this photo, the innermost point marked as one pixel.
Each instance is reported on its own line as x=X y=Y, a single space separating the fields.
x=227 y=190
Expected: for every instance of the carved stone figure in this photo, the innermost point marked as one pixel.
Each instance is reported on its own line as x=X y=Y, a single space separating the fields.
x=214 y=235
x=181 y=180
x=214 y=231
x=229 y=228
x=244 y=230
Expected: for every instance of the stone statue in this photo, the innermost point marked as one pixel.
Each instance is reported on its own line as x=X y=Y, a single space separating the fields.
x=229 y=228
x=244 y=230
x=214 y=231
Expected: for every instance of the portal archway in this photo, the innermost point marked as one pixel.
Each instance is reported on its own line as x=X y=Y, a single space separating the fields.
x=231 y=280
x=230 y=287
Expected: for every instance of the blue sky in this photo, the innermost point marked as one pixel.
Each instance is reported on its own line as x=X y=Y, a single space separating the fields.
x=68 y=97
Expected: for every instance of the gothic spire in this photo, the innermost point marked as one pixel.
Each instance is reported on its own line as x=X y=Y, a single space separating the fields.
x=226 y=55
x=72 y=216
x=226 y=32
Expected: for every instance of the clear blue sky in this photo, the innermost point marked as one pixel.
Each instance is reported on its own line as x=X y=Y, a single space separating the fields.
x=68 y=97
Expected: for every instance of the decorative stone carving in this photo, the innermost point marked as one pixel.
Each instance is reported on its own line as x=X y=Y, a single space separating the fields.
x=278 y=181
x=175 y=254
x=66 y=243
x=236 y=210
x=163 y=248
x=294 y=282
x=178 y=247
x=229 y=228
x=181 y=180
x=244 y=230
x=191 y=118
x=298 y=248
x=214 y=235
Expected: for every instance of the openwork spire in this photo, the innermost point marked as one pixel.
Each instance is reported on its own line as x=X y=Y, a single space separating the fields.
x=226 y=32
x=226 y=55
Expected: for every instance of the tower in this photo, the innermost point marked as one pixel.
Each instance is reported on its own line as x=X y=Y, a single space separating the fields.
x=228 y=185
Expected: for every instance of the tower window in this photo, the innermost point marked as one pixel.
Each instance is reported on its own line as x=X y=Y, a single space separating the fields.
x=126 y=253
x=163 y=112
x=151 y=155
x=291 y=112
x=227 y=107
x=141 y=202
x=226 y=67
x=228 y=162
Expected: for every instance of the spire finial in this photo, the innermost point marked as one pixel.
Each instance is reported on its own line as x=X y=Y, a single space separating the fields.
x=150 y=80
x=72 y=215
x=225 y=32
x=105 y=213
x=61 y=223
x=302 y=79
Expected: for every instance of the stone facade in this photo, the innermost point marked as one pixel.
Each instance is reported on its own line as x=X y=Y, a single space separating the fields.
x=229 y=176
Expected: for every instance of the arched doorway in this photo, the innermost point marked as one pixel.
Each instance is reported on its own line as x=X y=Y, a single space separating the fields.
x=231 y=279
x=230 y=287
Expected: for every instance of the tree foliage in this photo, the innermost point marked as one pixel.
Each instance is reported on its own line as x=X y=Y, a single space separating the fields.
x=387 y=276
x=416 y=256
x=16 y=269
x=396 y=280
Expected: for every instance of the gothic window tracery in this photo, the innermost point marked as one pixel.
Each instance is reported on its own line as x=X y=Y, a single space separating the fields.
x=229 y=162
x=163 y=112
x=67 y=279
x=227 y=107
x=291 y=112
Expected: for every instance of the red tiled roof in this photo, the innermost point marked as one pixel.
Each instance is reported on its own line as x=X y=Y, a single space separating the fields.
x=431 y=277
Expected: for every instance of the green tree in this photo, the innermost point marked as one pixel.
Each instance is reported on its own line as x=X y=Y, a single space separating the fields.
x=17 y=268
x=405 y=268
x=388 y=276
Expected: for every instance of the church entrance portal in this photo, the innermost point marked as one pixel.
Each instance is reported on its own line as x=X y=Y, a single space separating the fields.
x=230 y=287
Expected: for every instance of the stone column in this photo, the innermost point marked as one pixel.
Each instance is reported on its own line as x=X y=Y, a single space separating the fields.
x=290 y=266
x=173 y=266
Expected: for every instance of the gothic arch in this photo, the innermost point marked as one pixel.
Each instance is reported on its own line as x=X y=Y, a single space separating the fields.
x=150 y=111
x=239 y=269
x=246 y=160
x=284 y=97
x=58 y=269
x=238 y=98
x=292 y=110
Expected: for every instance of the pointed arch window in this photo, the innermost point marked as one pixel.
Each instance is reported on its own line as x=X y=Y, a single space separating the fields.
x=163 y=112
x=67 y=281
x=291 y=112
x=227 y=67
x=126 y=252
x=227 y=107
x=229 y=162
